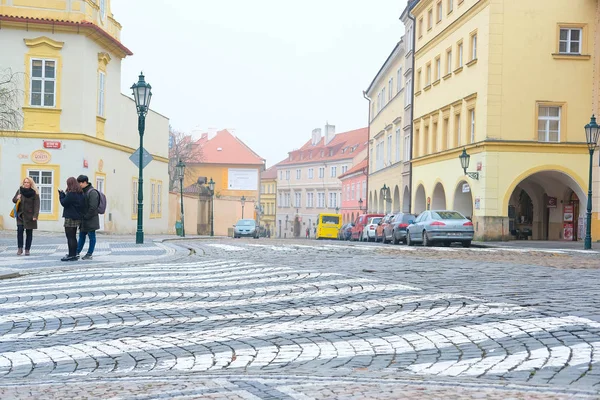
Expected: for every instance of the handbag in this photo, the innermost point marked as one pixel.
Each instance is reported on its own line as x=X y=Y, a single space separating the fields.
x=13 y=212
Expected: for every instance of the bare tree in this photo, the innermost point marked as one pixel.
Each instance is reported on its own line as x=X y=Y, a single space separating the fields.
x=182 y=147
x=11 y=117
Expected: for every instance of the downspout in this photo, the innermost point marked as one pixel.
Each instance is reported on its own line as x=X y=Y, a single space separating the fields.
x=368 y=152
x=412 y=105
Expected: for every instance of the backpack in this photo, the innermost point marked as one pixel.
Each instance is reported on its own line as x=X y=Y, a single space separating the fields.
x=102 y=203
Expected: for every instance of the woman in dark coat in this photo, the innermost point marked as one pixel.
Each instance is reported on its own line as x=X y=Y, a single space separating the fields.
x=72 y=202
x=27 y=213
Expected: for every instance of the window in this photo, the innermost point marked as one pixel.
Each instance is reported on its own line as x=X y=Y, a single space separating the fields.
x=310 y=199
x=429 y=19
x=134 y=198
x=298 y=199
x=383 y=102
x=420 y=27
x=332 y=200
x=457 y=132
x=371 y=159
x=570 y=41
x=438 y=68
x=389 y=150
x=262 y=188
x=459 y=60
x=310 y=173
x=153 y=198
x=364 y=189
x=102 y=8
x=406 y=147
x=321 y=200
x=352 y=191
x=450 y=6
x=44 y=180
x=43 y=82
x=101 y=80
x=428 y=76
x=398 y=141
x=418 y=83
x=446 y=137
x=474 y=46
x=344 y=169
x=399 y=80
x=298 y=174
x=472 y=124
x=159 y=199
x=333 y=172
x=280 y=175
x=390 y=88
x=439 y=11
x=409 y=39
x=287 y=175
x=321 y=172
x=408 y=92
x=448 y=61
x=549 y=123
x=357 y=190
x=155 y=203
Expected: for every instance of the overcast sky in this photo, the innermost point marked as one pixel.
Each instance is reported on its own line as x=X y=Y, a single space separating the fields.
x=273 y=70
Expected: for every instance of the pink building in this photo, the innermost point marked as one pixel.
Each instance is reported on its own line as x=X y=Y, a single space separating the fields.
x=354 y=191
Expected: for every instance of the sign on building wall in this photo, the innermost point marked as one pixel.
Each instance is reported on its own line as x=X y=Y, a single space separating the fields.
x=40 y=157
x=242 y=179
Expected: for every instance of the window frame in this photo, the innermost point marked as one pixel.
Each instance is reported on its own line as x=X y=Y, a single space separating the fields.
x=568 y=41
x=43 y=79
x=101 y=93
x=40 y=186
x=440 y=11
x=561 y=115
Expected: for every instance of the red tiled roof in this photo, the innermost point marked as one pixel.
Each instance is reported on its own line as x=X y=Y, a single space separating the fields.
x=232 y=150
x=343 y=145
x=270 y=173
x=358 y=167
x=84 y=24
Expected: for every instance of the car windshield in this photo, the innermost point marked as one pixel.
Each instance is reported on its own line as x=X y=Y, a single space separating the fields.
x=447 y=215
x=375 y=220
x=246 y=222
x=330 y=219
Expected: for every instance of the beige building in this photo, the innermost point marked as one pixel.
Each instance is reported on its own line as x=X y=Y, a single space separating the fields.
x=308 y=183
x=389 y=135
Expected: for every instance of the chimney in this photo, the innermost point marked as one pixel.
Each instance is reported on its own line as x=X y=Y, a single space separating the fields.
x=196 y=133
x=329 y=133
x=212 y=132
x=316 y=136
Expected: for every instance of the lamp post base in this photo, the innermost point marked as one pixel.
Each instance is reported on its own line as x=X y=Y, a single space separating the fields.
x=139 y=237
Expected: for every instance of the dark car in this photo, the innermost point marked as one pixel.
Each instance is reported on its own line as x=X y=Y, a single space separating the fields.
x=395 y=231
x=246 y=228
x=345 y=231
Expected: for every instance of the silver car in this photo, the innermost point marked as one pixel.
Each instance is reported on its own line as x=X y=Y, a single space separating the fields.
x=440 y=226
x=245 y=228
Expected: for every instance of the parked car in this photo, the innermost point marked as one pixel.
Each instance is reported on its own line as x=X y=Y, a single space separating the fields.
x=359 y=225
x=381 y=226
x=245 y=228
x=345 y=231
x=440 y=226
x=395 y=231
x=369 y=230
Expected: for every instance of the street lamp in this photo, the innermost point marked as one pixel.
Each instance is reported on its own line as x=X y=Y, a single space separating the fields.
x=211 y=187
x=464 y=162
x=360 y=203
x=592 y=131
x=243 y=201
x=142 y=93
x=180 y=167
x=337 y=210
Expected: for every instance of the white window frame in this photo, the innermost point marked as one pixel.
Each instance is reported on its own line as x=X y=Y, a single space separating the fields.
x=311 y=173
x=44 y=188
x=390 y=88
x=321 y=200
x=332 y=200
x=407 y=147
x=298 y=174
x=344 y=169
x=568 y=41
x=357 y=191
x=159 y=198
x=438 y=67
x=408 y=92
x=440 y=10
x=298 y=199
x=472 y=124
x=101 y=91
x=352 y=191
x=102 y=8
x=333 y=171
x=474 y=47
x=450 y=6
x=287 y=175
x=153 y=198
x=547 y=119
x=389 y=149
x=43 y=79
x=399 y=80
x=398 y=144
x=449 y=62
x=364 y=190
x=460 y=54
x=321 y=172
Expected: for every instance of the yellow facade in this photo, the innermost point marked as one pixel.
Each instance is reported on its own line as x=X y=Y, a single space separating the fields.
x=268 y=199
x=498 y=83
x=219 y=174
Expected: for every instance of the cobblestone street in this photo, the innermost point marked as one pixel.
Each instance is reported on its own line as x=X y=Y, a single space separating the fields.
x=285 y=319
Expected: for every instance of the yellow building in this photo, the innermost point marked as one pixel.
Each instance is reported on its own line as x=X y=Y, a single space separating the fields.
x=389 y=135
x=511 y=84
x=268 y=197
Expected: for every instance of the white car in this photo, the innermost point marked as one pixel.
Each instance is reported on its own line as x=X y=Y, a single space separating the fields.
x=370 y=229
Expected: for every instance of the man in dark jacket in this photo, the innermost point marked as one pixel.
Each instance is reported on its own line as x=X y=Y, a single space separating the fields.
x=90 y=221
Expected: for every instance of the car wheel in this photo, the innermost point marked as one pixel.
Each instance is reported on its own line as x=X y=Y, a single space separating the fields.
x=466 y=243
x=409 y=242
x=426 y=242
x=395 y=239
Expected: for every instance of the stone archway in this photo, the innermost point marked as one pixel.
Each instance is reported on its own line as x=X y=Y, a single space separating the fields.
x=369 y=206
x=381 y=206
x=438 y=199
x=375 y=204
x=420 y=200
x=542 y=207
x=352 y=220
x=396 y=199
x=406 y=200
x=463 y=199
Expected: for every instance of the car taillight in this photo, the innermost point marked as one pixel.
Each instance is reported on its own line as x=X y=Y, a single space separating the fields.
x=468 y=223
x=438 y=223
x=403 y=226
x=371 y=227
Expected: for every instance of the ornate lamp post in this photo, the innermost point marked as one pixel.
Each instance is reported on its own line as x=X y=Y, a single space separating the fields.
x=211 y=187
x=360 y=203
x=243 y=201
x=592 y=131
x=180 y=168
x=465 y=159
x=142 y=93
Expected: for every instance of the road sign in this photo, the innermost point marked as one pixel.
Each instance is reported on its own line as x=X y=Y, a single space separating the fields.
x=135 y=158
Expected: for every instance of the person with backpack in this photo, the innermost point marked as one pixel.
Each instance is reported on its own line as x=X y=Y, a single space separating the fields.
x=72 y=201
x=90 y=221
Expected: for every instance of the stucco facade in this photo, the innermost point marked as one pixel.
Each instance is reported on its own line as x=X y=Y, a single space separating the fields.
x=354 y=191
x=268 y=198
x=67 y=56
x=516 y=101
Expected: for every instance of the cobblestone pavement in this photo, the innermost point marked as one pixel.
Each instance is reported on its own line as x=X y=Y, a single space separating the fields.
x=248 y=319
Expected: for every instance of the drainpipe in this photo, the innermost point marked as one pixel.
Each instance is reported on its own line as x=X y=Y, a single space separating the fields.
x=412 y=105
x=368 y=151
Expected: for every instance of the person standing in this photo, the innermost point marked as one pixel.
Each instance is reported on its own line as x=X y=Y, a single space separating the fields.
x=72 y=202
x=27 y=213
x=90 y=221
